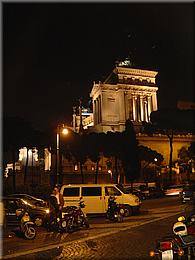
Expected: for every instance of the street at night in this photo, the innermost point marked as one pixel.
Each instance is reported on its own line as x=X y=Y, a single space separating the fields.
x=98 y=154
x=132 y=239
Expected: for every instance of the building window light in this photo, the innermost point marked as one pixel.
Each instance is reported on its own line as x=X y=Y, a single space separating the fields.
x=100 y=168
x=92 y=168
x=76 y=167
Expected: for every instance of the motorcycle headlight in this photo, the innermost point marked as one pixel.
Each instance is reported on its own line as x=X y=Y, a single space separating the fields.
x=47 y=211
x=64 y=224
x=193 y=219
x=122 y=211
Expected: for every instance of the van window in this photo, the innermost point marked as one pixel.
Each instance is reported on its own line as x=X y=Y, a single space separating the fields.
x=91 y=191
x=112 y=191
x=71 y=192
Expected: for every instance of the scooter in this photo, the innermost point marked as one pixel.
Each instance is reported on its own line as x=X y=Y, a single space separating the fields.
x=75 y=218
x=26 y=225
x=115 y=211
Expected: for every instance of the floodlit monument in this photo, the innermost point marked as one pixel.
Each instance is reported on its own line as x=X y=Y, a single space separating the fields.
x=128 y=93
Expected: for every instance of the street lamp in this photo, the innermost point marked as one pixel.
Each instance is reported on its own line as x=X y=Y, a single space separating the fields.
x=61 y=129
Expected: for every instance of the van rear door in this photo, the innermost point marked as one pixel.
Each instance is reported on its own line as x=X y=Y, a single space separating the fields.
x=93 y=199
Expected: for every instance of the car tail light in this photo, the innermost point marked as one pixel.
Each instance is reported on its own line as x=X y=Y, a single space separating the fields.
x=165 y=245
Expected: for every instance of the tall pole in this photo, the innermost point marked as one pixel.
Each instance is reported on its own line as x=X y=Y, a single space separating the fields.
x=57 y=154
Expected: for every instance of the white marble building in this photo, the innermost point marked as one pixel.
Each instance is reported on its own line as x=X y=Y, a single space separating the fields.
x=126 y=94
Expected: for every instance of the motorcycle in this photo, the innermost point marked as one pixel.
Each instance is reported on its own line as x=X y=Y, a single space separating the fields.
x=189 y=221
x=115 y=211
x=26 y=225
x=55 y=223
x=179 y=246
x=184 y=239
x=75 y=218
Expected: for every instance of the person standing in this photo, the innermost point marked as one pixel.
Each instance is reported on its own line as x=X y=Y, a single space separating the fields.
x=60 y=200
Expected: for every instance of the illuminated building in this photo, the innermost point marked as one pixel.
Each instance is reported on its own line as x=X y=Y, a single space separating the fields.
x=129 y=93
x=126 y=94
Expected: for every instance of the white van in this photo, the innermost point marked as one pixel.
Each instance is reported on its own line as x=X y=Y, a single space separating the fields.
x=96 y=196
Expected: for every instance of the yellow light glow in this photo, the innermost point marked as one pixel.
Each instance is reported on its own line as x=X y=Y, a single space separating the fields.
x=152 y=253
x=65 y=131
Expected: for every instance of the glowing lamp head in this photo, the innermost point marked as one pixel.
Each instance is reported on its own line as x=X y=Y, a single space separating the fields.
x=65 y=131
x=152 y=253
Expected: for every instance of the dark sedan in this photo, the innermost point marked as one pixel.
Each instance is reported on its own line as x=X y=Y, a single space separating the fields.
x=11 y=204
x=35 y=201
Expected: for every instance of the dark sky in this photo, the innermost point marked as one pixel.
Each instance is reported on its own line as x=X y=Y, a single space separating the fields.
x=52 y=53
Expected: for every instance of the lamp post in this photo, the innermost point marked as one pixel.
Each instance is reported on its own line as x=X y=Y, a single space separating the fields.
x=61 y=129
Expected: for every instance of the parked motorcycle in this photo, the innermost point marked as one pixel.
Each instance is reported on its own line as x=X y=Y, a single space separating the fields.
x=179 y=246
x=26 y=225
x=189 y=221
x=75 y=218
x=115 y=211
x=185 y=240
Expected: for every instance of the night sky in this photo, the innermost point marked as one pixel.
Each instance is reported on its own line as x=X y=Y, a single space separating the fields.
x=52 y=53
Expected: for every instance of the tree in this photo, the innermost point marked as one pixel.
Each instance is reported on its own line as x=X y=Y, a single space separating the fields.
x=129 y=156
x=170 y=122
x=112 y=148
x=75 y=146
x=147 y=157
x=93 y=146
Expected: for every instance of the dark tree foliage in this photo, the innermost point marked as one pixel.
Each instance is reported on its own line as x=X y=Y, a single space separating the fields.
x=178 y=120
x=129 y=154
x=74 y=147
x=94 y=149
x=191 y=150
x=148 y=155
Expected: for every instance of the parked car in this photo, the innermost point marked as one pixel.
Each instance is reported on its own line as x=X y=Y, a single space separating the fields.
x=152 y=192
x=136 y=192
x=188 y=193
x=174 y=190
x=155 y=192
x=11 y=204
x=35 y=201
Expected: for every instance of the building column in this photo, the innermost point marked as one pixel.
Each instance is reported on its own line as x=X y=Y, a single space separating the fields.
x=149 y=107
x=100 y=109
x=134 y=108
x=141 y=108
x=146 y=110
x=95 y=112
x=98 y=118
x=154 y=102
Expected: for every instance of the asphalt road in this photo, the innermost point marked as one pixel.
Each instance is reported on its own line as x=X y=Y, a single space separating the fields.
x=131 y=239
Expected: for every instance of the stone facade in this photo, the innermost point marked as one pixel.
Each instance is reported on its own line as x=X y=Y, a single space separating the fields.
x=127 y=94
x=130 y=93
